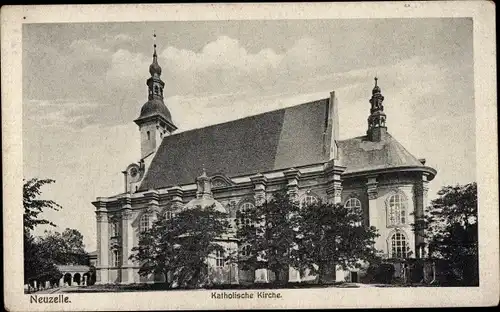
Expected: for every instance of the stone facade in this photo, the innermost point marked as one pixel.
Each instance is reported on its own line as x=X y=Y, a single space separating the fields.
x=373 y=172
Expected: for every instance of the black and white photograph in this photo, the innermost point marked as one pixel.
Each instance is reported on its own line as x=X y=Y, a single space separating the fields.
x=245 y=161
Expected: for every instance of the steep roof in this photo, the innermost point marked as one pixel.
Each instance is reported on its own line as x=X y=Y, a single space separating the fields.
x=360 y=154
x=284 y=138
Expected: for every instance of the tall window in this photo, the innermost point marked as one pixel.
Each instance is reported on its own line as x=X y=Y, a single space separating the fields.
x=355 y=205
x=245 y=207
x=149 y=135
x=398 y=245
x=144 y=222
x=115 y=231
x=116 y=258
x=396 y=210
x=219 y=258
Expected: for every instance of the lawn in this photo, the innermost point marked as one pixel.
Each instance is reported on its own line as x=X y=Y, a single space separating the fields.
x=163 y=287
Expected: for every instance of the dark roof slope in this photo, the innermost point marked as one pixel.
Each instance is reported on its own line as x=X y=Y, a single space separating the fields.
x=360 y=154
x=280 y=139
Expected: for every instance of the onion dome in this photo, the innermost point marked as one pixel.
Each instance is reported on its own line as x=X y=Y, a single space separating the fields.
x=155 y=68
x=155 y=107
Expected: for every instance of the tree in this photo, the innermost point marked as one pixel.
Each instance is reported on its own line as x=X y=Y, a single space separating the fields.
x=64 y=248
x=332 y=235
x=450 y=226
x=33 y=206
x=36 y=266
x=270 y=232
x=180 y=246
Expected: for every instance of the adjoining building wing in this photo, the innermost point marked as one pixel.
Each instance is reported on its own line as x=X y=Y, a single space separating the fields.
x=360 y=154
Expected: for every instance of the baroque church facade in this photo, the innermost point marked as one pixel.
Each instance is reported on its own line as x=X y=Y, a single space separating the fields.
x=238 y=164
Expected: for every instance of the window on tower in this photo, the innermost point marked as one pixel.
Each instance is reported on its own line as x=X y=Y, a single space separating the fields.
x=149 y=135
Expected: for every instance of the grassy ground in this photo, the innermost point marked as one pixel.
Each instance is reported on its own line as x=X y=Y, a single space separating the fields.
x=162 y=287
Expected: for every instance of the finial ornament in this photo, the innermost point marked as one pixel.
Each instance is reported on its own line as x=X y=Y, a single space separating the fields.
x=154 y=42
x=376 y=79
x=154 y=68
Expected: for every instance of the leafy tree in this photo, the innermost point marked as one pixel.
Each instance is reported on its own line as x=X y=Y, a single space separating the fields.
x=180 y=246
x=36 y=267
x=331 y=234
x=450 y=226
x=33 y=206
x=270 y=232
x=64 y=248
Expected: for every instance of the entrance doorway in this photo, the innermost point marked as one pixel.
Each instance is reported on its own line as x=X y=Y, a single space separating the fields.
x=354 y=277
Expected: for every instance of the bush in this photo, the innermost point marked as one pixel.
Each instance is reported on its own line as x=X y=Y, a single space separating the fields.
x=380 y=273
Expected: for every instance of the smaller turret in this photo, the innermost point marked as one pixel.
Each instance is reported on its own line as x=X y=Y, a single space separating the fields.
x=376 y=121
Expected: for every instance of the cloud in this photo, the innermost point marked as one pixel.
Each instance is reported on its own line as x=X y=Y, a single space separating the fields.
x=88 y=49
x=122 y=37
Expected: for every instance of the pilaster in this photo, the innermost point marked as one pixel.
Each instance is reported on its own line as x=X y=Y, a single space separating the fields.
x=420 y=190
x=292 y=175
x=127 y=239
x=334 y=182
x=103 y=245
x=372 y=191
x=153 y=200
x=176 y=194
x=259 y=181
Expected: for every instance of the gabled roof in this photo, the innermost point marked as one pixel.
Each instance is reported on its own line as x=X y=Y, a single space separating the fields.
x=359 y=154
x=284 y=138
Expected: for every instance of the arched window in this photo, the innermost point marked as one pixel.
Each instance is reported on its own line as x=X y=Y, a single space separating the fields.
x=245 y=207
x=116 y=258
x=169 y=215
x=246 y=251
x=144 y=222
x=149 y=135
x=219 y=258
x=398 y=245
x=396 y=209
x=353 y=203
x=308 y=199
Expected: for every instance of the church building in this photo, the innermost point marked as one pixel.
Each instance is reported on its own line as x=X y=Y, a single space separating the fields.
x=240 y=163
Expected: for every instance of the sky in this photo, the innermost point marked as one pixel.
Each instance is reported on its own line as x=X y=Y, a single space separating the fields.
x=84 y=84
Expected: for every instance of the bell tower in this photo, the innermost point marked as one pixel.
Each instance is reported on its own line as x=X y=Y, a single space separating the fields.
x=376 y=121
x=155 y=120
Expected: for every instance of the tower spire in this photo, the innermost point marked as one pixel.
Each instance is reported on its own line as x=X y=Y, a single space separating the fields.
x=376 y=120
x=155 y=120
x=155 y=68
